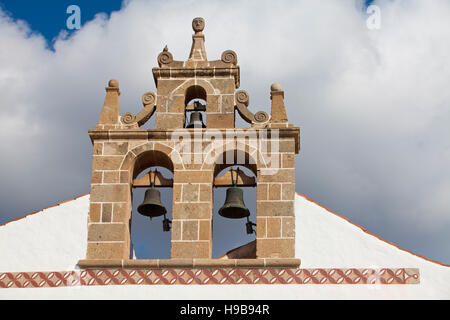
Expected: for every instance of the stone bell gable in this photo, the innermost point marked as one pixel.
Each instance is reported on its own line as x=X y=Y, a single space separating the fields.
x=196 y=157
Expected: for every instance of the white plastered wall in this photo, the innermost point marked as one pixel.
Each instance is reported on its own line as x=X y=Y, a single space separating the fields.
x=55 y=239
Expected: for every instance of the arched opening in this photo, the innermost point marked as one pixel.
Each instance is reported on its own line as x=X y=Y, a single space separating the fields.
x=148 y=238
x=231 y=234
x=195 y=106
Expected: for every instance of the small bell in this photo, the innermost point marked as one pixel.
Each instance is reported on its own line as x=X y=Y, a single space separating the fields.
x=234 y=207
x=152 y=206
x=196 y=121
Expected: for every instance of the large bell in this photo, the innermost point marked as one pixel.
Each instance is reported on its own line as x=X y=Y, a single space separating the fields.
x=152 y=206
x=234 y=207
x=196 y=121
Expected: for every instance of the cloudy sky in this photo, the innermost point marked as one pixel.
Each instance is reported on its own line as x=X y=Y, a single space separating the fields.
x=373 y=104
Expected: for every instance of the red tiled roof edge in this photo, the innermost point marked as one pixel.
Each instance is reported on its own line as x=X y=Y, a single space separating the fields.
x=42 y=210
x=373 y=235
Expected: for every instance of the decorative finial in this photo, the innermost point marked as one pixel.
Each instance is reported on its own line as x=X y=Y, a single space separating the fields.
x=198 y=24
x=166 y=49
x=276 y=87
x=113 y=83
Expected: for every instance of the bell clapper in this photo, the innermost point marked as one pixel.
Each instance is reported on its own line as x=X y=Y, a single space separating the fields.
x=166 y=224
x=250 y=226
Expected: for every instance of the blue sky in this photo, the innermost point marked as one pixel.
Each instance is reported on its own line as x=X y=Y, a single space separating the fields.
x=373 y=106
x=49 y=17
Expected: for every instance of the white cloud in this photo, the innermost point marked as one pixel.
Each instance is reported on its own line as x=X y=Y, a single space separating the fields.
x=373 y=105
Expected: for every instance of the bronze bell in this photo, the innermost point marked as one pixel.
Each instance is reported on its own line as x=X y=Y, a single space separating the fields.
x=196 y=121
x=152 y=206
x=234 y=207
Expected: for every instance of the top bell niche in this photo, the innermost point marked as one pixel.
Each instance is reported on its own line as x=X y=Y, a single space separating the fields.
x=180 y=83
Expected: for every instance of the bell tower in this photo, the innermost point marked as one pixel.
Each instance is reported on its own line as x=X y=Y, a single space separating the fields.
x=195 y=106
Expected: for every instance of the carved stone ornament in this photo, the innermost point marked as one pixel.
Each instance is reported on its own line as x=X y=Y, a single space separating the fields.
x=198 y=24
x=165 y=57
x=128 y=118
x=243 y=97
x=261 y=117
x=230 y=56
x=148 y=98
x=149 y=102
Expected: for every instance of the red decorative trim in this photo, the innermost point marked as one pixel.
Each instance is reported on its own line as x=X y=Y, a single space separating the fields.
x=119 y=277
x=374 y=235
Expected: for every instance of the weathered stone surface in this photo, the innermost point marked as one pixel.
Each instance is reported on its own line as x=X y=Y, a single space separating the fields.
x=225 y=86
x=107 y=232
x=288 y=227
x=97 y=177
x=111 y=177
x=275 y=248
x=205 y=193
x=109 y=251
x=177 y=191
x=115 y=148
x=196 y=249
x=288 y=191
x=273 y=227
x=95 y=212
x=191 y=192
x=192 y=211
x=220 y=120
x=169 y=121
x=121 y=212
x=190 y=230
x=261 y=227
x=98 y=149
x=107 y=162
x=275 y=191
x=279 y=175
x=176 y=229
x=107 y=211
x=201 y=176
x=288 y=160
x=205 y=230
x=110 y=193
x=276 y=209
x=228 y=104
x=262 y=191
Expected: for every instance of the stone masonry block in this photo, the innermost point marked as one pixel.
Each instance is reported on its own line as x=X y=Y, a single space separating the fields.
x=214 y=121
x=275 y=248
x=190 y=230
x=191 y=211
x=107 y=232
x=288 y=191
x=95 y=212
x=111 y=177
x=107 y=251
x=273 y=228
x=115 y=148
x=276 y=209
x=205 y=230
x=261 y=227
x=190 y=192
x=195 y=249
x=107 y=212
x=107 y=162
x=288 y=227
x=275 y=191
x=121 y=212
x=110 y=193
